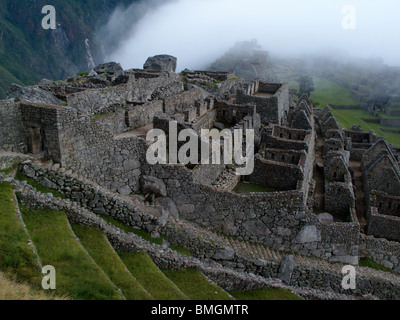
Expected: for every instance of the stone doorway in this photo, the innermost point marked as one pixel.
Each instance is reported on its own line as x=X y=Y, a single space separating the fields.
x=36 y=140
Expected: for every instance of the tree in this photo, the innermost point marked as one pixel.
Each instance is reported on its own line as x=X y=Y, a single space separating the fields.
x=306 y=85
x=377 y=101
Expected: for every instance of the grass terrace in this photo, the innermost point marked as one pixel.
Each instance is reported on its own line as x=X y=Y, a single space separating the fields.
x=16 y=256
x=195 y=285
x=346 y=119
x=266 y=294
x=96 y=243
x=78 y=275
x=150 y=277
x=330 y=92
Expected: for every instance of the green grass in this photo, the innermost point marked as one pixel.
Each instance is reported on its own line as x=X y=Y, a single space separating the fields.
x=16 y=256
x=95 y=242
x=150 y=277
x=346 y=119
x=21 y=177
x=146 y=235
x=368 y=262
x=84 y=73
x=195 y=285
x=265 y=294
x=252 y=187
x=77 y=275
x=330 y=92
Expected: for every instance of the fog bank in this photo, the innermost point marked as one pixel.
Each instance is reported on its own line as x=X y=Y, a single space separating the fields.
x=199 y=31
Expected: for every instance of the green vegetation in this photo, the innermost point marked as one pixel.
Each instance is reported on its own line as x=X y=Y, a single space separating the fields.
x=11 y=289
x=265 y=294
x=28 y=53
x=10 y=169
x=78 y=275
x=195 y=285
x=243 y=187
x=306 y=85
x=330 y=92
x=101 y=251
x=106 y=74
x=16 y=256
x=21 y=177
x=368 y=262
x=85 y=73
x=150 y=277
x=146 y=235
x=347 y=117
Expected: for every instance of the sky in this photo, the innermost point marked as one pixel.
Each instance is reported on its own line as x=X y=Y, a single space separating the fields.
x=198 y=32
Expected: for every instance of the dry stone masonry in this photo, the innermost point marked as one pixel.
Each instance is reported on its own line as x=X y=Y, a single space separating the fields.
x=87 y=136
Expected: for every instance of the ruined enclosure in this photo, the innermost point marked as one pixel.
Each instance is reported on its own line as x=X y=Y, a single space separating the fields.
x=93 y=150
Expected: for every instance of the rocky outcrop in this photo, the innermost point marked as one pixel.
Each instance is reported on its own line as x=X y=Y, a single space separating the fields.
x=161 y=63
x=32 y=94
x=109 y=67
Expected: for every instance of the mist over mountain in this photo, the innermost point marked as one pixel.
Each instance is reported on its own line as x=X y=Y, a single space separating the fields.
x=82 y=38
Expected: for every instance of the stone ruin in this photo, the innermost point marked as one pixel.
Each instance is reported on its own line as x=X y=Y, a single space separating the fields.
x=94 y=127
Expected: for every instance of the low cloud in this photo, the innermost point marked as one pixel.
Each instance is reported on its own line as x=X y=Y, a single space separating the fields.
x=199 y=31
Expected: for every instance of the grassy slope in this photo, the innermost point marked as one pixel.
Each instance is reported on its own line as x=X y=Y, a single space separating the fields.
x=77 y=274
x=265 y=294
x=16 y=256
x=150 y=277
x=100 y=250
x=346 y=119
x=369 y=263
x=10 y=289
x=195 y=285
x=327 y=91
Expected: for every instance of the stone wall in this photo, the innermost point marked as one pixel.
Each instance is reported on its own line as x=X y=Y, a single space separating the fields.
x=141 y=115
x=382 y=226
x=276 y=175
x=389 y=122
x=93 y=152
x=114 y=122
x=382 y=251
x=96 y=101
x=275 y=219
x=180 y=102
x=386 y=204
x=250 y=274
x=137 y=90
x=11 y=127
x=274 y=109
x=41 y=129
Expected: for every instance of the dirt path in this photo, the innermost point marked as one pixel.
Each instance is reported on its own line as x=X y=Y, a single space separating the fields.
x=318 y=175
x=359 y=194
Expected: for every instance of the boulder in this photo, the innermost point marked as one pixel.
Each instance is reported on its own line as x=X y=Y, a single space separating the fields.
x=286 y=269
x=120 y=78
x=100 y=79
x=308 y=234
x=161 y=63
x=110 y=68
x=154 y=185
x=169 y=205
x=32 y=94
x=225 y=253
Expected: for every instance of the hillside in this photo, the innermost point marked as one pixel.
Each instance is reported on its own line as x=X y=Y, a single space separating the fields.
x=28 y=53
